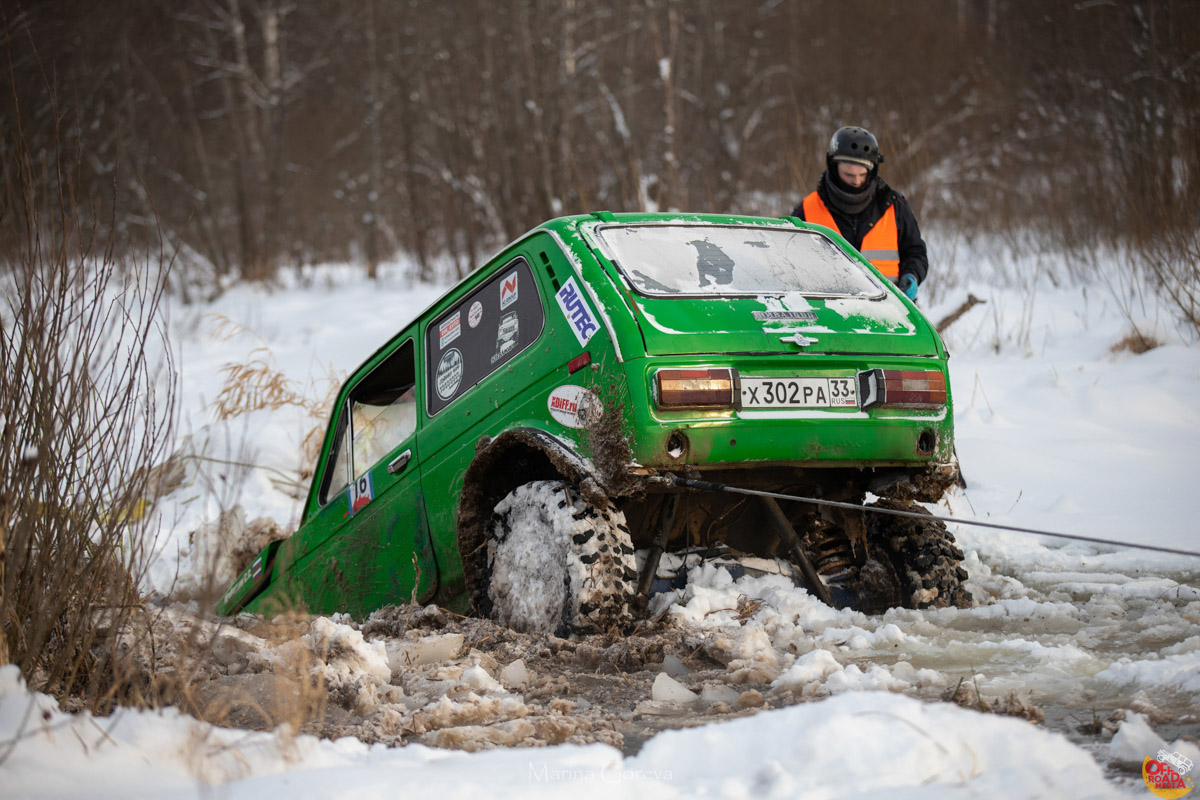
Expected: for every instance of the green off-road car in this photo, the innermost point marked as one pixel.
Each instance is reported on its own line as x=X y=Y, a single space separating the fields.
x=602 y=385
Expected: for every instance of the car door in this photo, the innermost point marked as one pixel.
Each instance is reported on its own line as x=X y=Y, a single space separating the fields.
x=368 y=546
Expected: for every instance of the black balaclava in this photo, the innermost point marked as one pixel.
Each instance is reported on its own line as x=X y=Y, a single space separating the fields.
x=848 y=199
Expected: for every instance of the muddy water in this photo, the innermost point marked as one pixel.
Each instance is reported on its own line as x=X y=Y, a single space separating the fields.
x=1079 y=637
x=1083 y=636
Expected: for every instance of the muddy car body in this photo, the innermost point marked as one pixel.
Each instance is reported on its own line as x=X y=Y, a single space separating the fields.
x=540 y=420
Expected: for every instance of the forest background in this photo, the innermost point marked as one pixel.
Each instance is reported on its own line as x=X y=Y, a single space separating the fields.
x=247 y=136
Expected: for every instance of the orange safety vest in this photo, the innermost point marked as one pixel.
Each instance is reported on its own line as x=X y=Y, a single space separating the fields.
x=881 y=245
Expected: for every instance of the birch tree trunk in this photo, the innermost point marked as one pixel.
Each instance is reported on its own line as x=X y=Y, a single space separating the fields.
x=374 y=145
x=666 y=53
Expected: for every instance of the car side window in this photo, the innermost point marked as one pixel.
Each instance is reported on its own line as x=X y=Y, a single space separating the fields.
x=337 y=477
x=382 y=414
x=481 y=333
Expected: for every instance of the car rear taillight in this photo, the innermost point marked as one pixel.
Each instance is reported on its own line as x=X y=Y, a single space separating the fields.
x=902 y=388
x=692 y=388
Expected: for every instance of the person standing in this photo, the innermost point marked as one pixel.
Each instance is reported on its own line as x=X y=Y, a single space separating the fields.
x=852 y=199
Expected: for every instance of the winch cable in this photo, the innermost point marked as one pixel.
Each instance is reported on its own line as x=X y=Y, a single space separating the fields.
x=710 y=486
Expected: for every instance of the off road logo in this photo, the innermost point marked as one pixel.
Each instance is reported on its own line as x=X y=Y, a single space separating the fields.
x=1165 y=774
x=508 y=291
x=575 y=309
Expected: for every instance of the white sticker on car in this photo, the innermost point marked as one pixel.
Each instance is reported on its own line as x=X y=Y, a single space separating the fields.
x=359 y=493
x=508 y=291
x=507 y=335
x=450 y=329
x=475 y=314
x=576 y=310
x=449 y=373
x=574 y=406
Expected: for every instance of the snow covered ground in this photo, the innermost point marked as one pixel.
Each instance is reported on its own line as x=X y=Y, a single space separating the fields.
x=879 y=745
x=1056 y=430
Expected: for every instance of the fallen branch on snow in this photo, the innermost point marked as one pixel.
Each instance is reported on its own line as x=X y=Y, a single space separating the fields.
x=951 y=318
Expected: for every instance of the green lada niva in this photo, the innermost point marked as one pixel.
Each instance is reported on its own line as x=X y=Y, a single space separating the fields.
x=612 y=387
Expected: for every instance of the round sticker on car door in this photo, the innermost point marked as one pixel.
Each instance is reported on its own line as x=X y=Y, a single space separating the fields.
x=574 y=406
x=449 y=373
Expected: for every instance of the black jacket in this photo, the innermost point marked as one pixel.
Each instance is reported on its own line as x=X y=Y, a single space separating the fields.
x=913 y=257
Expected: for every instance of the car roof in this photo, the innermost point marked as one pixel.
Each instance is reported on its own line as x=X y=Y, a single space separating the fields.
x=571 y=226
x=661 y=218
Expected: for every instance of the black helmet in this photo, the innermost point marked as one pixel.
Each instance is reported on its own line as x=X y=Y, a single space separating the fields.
x=856 y=146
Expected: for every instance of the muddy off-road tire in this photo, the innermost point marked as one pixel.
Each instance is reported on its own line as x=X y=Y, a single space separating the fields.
x=557 y=564
x=924 y=554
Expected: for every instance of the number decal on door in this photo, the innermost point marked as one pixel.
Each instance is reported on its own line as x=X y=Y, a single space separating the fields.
x=361 y=492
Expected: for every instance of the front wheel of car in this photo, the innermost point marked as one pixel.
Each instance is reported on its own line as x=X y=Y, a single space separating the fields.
x=559 y=564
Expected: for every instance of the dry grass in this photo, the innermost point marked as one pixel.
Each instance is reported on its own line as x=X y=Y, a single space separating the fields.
x=86 y=415
x=966 y=695
x=257 y=385
x=1135 y=343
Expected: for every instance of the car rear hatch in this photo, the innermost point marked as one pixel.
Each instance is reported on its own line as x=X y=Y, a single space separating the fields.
x=757 y=289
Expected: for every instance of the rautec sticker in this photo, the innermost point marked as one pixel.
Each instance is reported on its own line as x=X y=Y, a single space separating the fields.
x=449 y=373
x=574 y=406
x=450 y=329
x=576 y=310
x=359 y=493
x=475 y=314
x=508 y=291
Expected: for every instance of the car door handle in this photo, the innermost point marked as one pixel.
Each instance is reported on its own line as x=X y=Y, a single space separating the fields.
x=399 y=462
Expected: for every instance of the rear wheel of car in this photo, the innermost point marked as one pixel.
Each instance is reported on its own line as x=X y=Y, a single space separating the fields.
x=924 y=555
x=558 y=564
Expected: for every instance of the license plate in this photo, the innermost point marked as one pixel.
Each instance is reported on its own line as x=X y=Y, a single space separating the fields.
x=799 y=393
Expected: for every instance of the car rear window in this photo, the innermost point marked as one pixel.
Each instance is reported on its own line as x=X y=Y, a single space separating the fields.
x=481 y=333
x=690 y=260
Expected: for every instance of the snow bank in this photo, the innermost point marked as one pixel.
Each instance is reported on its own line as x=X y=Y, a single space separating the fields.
x=869 y=744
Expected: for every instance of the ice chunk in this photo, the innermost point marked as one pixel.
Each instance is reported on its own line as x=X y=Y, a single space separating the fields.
x=852 y=678
x=674 y=666
x=1134 y=740
x=814 y=666
x=405 y=653
x=471 y=710
x=515 y=675
x=232 y=648
x=345 y=651
x=719 y=693
x=481 y=737
x=478 y=679
x=668 y=690
x=755 y=659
